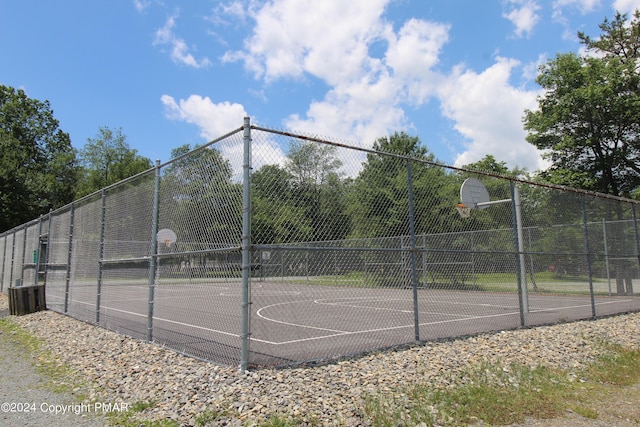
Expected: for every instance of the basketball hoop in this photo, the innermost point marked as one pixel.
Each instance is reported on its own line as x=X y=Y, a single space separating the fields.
x=463 y=210
x=166 y=237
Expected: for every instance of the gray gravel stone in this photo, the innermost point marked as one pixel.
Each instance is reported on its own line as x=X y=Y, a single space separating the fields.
x=122 y=369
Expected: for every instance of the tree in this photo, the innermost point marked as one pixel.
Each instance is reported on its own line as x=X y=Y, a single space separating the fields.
x=589 y=117
x=379 y=197
x=199 y=201
x=107 y=159
x=38 y=168
x=302 y=201
x=619 y=39
x=318 y=188
x=275 y=216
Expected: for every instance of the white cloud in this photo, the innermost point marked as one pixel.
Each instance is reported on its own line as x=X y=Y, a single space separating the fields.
x=179 y=51
x=328 y=39
x=523 y=15
x=559 y=8
x=413 y=53
x=213 y=119
x=234 y=10
x=296 y=39
x=141 y=5
x=361 y=110
x=626 y=6
x=488 y=111
x=584 y=6
x=374 y=72
x=530 y=70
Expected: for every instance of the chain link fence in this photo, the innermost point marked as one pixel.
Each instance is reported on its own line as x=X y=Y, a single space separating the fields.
x=268 y=248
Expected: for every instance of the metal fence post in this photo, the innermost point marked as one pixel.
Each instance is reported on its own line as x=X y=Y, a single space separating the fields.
x=519 y=248
x=24 y=252
x=153 y=250
x=47 y=255
x=40 y=251
x=412 y=244
x=246 y=246
x=103 y=208
x=637 y=240
x=13 y=257
x=587 y=253
x=606 y=250
x=69 y=259
x=4 y=261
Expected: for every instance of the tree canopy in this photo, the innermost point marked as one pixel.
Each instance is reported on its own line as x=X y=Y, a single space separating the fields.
x=106 y=159
x=37 y=161
x=588 y=119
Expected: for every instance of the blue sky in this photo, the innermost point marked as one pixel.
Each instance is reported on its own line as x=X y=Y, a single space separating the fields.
x=458 y=74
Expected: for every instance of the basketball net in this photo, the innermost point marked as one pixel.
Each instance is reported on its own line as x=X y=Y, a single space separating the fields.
x=463 y=210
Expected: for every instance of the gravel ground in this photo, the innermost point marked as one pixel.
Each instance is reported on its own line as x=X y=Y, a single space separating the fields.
x=122 y=371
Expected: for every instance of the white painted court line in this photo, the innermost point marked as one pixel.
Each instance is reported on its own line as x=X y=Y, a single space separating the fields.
x=259 y=314
x=391 y=328
x=161 y=319
x=336 y=333
x=462 y=318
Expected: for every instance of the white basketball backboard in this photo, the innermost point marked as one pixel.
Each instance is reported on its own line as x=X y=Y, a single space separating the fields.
x=167 y=236
x=473 y=192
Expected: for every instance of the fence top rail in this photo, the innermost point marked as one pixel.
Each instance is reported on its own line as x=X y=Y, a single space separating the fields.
x=202 y=147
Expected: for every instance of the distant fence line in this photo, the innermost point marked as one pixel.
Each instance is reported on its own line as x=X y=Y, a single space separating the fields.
x=266 y=247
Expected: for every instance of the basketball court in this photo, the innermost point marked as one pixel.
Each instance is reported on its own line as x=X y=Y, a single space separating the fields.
x=292 y=322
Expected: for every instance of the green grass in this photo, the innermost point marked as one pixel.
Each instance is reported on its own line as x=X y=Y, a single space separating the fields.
x=546 y=281
x=492 y=393
x=500 y=395
x=130 y=419
x=56 y=376
x=619 y=366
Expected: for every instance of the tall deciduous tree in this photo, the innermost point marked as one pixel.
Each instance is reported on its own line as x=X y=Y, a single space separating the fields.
x=107 y=159
x=201 y=182
x=275 y=216
x=379 y=200
x=619 y=39
x=302 y=201
x=37 y=162
x=318 y=188
x=589 y=117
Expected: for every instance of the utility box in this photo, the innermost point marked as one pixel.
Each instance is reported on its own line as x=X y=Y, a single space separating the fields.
x=26 y=299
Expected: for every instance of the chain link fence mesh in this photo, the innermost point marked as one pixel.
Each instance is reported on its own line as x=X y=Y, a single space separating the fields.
x=349 y=250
